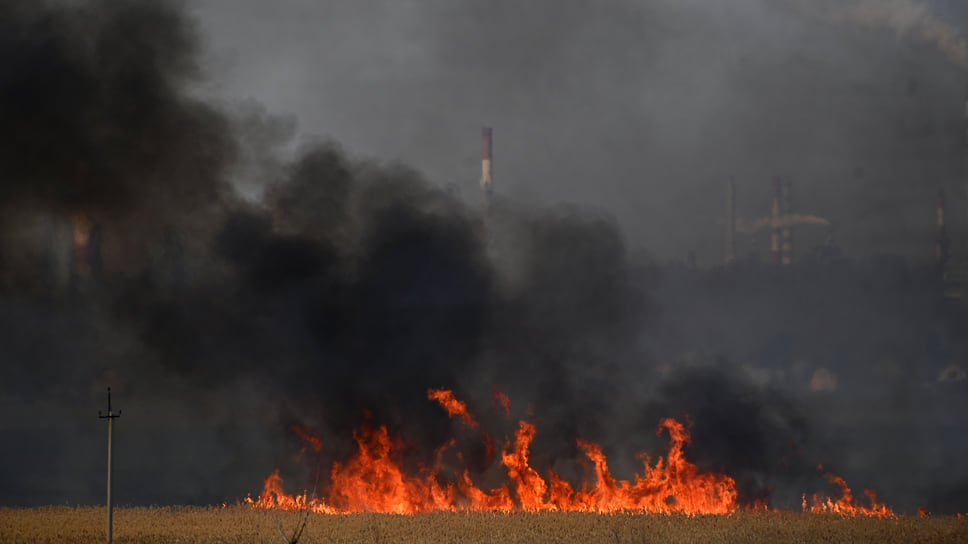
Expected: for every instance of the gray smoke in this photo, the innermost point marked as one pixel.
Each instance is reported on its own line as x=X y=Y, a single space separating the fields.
x=219 y=322
x=905 y=18
x=339 y=285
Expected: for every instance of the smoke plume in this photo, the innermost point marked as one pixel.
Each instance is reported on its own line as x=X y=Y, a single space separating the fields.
x=240 y=290
x=354 y=288
x=907 y=19
x=97 y=114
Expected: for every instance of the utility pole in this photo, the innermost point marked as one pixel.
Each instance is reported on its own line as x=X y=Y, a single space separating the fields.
x=110 y=416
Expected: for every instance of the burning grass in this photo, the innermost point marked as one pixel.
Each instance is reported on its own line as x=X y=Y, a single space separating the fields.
x=374 y=480
x=244 y=524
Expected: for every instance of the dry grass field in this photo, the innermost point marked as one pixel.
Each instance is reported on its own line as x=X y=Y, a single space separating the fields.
x=241 y=524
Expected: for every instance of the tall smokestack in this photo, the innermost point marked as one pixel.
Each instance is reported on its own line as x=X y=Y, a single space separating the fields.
x=942 y=242
x=486 y=183
x=80 y=246
x=86 y=240
x=730 y=221
x=786 y=233
x=775 y=234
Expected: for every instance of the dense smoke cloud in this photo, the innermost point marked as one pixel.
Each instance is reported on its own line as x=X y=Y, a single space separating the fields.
x=357 y=286
x=640 y=108
x=321 y=286
x=96 y=113
x=904 y=17
x=757 y=435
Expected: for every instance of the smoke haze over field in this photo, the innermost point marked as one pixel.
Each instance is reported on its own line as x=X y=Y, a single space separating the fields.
x=640 y=108
x=269 y=186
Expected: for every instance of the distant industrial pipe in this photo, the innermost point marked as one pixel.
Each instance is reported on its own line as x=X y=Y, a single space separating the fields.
x=80 y=245
x=769 y=222
x=942 y=242
x=486 y=182
x=786 y=231
x=730 y=221
x=775 y=215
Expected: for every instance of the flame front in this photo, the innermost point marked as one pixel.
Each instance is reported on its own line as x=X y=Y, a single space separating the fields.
x=845 y=505
x=373 y=479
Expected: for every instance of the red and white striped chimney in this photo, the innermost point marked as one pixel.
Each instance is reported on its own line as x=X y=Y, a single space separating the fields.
x=486 y=183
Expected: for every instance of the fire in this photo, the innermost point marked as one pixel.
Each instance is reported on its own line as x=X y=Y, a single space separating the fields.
x=456 y=407
x=308 y=438
x=453 y=406
x=503 y=401
x=672 y=485
x=374 y=480
x=845 y=504
x=274 y=497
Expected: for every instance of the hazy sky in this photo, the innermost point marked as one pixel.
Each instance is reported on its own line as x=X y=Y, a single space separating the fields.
x=640 y=109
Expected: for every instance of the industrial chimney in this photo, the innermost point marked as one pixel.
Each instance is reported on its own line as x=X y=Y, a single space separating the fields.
x=786 y=232
x=486 y=183
x=85 y=255
x=80 y=246
x=775 y=220
x=730 y=221
x=943 y=244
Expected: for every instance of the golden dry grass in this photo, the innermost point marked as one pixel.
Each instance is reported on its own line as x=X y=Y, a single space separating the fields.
x=241 y=524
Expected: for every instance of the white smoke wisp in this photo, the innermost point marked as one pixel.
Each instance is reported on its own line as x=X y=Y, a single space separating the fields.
x=905 y=17
x=787 y=220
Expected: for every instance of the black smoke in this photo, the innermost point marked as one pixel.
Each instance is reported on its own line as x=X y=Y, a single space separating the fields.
x=93 y=98
x=350 y=288
x=756 y=435
x=354 y=287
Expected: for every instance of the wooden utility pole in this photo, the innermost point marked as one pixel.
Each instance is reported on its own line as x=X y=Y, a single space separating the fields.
x=110 y=416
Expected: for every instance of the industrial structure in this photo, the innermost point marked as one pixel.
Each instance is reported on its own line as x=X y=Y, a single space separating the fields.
x=943 y=245
x=487 y=185
x=775 y=224
x=780 y=222
x=786 y=230
x=85 y=255
x=954 y=266
x=730 y=221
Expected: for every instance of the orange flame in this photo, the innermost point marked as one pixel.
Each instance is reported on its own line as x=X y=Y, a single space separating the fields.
x=453 y=406
x=274 y=497
x=672 y=485
x=503 y=401
x=309 y=440
x=373 y=480
x=845 y=504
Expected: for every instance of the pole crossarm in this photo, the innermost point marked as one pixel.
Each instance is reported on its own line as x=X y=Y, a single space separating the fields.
x=110 y=416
